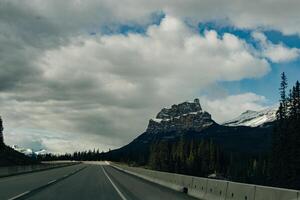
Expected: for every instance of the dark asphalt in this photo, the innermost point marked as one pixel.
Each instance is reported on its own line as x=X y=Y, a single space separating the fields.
x=139 y=189
x=93 y=182
x=15 y=185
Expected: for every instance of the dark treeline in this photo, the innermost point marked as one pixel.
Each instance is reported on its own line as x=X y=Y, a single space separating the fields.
x=78 y=156
x=201 y=157
x=1 y=134
x=285 y=158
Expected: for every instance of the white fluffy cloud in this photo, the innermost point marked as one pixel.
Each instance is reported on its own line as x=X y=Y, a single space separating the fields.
x=56 y=141
x=164 y=58
x=108 y=86
x=275 y=52
x=99 y=91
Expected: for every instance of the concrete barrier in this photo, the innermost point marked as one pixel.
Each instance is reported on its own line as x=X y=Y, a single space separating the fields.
x=22 y=169
x=211 y=189
x=216 y=190
x=270 y=193
x=239 y=191
x=199 y=187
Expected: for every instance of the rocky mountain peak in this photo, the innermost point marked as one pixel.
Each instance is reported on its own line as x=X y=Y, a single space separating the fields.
x=179 y=109
x=180 y=117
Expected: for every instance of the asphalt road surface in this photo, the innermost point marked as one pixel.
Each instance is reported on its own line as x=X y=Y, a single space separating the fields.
x=88 y=181
x=15 y=185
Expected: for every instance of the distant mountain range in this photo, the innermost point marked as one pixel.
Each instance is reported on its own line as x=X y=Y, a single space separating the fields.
x=253 y=118
x=247 y=133
x=29 y=152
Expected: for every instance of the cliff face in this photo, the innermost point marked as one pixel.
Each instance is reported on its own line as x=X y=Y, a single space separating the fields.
x=180 y=117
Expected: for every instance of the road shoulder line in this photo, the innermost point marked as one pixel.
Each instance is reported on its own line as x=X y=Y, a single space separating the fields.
x=113 y=184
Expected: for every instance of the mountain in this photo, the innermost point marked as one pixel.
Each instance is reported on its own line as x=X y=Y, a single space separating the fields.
x=188 y=121
x=29 y=152
x=9 y=156
x=41 y=152
x=182 y=117
x=254 y=118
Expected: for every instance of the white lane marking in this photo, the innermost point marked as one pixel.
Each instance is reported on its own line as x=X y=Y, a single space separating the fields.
x=51 y=181
x=19 y=195
x=116 y=188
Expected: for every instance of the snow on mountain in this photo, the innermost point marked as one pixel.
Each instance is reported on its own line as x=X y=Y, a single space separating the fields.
x=253 y=118
x=41 y=152
x=29 y=152
x=180 y=117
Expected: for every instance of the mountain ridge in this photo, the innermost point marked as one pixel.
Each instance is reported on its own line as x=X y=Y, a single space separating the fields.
x=253 y=118
x=192 y=123
x=180 y=117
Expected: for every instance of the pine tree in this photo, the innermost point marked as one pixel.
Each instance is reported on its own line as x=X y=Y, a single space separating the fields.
x=279 y=152
x=282 y=90
x=1 y=133
x=191 y=158
x=294 y=129
x=285 y=170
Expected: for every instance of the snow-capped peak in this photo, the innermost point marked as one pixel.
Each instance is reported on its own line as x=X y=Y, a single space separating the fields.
x=253 y=118
x=41 y=152
x=29 y=152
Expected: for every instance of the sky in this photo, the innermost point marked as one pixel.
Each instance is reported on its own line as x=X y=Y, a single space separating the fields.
x=78 y=75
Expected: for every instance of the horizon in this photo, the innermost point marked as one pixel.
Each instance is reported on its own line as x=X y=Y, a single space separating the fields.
x=92 y=75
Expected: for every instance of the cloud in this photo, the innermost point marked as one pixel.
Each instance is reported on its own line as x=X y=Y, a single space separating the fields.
x=231 y=106
x=165 y=57
x=76 y=15
x=100 y=90
x=110 y=85
x=56 y=141
x=275 y=52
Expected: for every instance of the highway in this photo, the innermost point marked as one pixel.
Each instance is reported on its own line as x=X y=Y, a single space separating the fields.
x=84 y=181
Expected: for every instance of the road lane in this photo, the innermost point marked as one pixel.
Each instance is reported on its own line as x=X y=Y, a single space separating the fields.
x=90 y=183
x=135 y=188
x=106 y=183
x=16 y=185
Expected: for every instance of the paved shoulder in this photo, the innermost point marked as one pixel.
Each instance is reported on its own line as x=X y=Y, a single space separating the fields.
x=135 y=188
